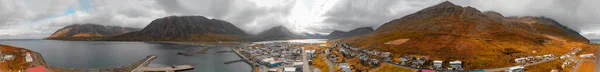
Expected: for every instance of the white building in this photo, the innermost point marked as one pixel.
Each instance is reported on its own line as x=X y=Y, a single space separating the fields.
x=8 y=57
x=549 y=56
x=28 y=57
x=520 y=60
x=386 y=54
x=586 y=55
x=516 y=69
x=456 y=64
x=437 y=64
x=289 y=69
x=345 y=67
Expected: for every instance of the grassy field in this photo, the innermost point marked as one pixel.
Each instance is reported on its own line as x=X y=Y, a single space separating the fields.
x=392 y=68
x=586 y=67
x=320 y=63
x=17 y=63
x=547 y=67
x=476 y=51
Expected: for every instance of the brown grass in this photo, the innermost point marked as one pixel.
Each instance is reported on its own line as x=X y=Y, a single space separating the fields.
x=60 y=33
x=586 y=67
x=87 y=35
x=547 y=67
x=397 y=42
x=392 y=68
x=320 y=63
x=18 y=63
x=476 y=51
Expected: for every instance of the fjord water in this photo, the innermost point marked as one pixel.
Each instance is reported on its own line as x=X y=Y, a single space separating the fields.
x=106 y=54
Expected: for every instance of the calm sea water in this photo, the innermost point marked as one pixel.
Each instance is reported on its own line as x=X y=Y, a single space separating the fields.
x=595 y=41
x=105 y=54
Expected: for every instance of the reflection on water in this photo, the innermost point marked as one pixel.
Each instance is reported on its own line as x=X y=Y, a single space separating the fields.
x=104 y=54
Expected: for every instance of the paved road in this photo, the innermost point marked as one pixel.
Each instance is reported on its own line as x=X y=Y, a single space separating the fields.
x=597 y=68
x=327 y=61
x=305 y=66
x=506 y=68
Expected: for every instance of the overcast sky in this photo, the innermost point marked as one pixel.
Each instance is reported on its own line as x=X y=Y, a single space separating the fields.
x=35 y=19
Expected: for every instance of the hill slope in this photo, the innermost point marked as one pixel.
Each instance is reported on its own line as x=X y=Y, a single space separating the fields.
x=355 y=32
x=278 y=33
x=185 y=28
x=88 y=32
x=482 y=40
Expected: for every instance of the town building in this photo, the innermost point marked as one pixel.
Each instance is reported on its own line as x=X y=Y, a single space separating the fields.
x=456 y=65
x=345 y=67
x=520 y=60
x=586 y=55
x=289 y=69
x=437 y=64
x=516 y=69
x=385 y=54
x=28 y=57
x=421 y=60
x=404 y=59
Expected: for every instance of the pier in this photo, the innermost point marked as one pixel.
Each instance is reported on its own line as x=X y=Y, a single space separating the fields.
x=139 y=66
x=252 y=64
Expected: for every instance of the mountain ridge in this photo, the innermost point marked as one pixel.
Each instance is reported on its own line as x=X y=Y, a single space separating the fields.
x=451 y=32
x=185 y=28
x=88 y=32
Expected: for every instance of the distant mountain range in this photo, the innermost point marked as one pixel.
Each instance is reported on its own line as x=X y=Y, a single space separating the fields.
x=278 y=33
x=173 y=28
x=88 y=32
x=355 y=32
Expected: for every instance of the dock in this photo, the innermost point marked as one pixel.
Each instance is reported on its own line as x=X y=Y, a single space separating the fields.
x=252 y=64
x=166 y=69
x=140 y=66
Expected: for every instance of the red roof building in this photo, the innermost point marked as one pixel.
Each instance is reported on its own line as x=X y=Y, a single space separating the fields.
x=36 y=69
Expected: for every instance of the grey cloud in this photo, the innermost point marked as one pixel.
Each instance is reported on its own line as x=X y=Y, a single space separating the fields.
x=579 y=15
x=350 y=14
x=242 y=13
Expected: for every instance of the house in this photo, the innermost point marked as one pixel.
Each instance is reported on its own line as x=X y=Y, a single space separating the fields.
x=387 y=59
x=363 y=57
x=298 y=63
x=586 y=55
x=385 y=54
x=427 y=70
x=437 y=64
x=516 y=69
x=549 y=56
x=8 y=57
x=273 y=70
x=28 y=57
x=36 y=69
x=274 y=64
x=345 y=67
x=404 y=59
x=539 y=58
x=520 y=60
x=564 y=56
x=374 y=62
x=421 y=60
x=289 y=69
x=456 y=64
